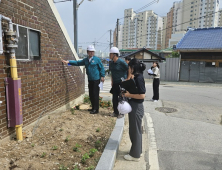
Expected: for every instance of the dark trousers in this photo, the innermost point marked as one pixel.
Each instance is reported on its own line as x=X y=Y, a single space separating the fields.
x=156 y=83
x=116 y=92
x=94 y=93
x=135 y=128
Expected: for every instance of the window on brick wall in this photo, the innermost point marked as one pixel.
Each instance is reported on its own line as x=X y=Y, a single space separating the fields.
x=28 y=45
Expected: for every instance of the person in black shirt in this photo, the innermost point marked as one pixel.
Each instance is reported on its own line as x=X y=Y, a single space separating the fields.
x=135 y=116
x=127 y=60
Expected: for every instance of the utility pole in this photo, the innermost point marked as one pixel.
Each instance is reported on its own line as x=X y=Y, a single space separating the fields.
x=75 y=18
x=110 y=44
x=117 y=33
x=94 y=43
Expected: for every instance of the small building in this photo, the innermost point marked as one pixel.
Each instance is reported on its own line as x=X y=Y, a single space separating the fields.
x=201 y=55
x=144 y=55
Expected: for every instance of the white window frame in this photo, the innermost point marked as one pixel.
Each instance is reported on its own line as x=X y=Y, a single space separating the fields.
x=32 y=29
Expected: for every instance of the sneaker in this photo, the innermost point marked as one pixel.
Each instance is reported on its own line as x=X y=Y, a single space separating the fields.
x=141 y=155
x=130 y=158
x=120 y=116
x=113 y=115
x=151 y=100
x=155 y=101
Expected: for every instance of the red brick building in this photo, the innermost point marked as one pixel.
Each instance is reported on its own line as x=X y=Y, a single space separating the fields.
x=46 y=84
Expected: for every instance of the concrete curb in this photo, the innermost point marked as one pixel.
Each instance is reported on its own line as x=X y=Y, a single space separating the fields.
x=108 y=158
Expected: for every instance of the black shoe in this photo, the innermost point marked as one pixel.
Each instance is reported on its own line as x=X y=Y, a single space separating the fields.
x=90 y=110
x=94 y=112
x=114 y=115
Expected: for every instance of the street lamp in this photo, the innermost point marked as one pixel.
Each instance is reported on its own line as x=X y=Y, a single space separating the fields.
x=75 y=19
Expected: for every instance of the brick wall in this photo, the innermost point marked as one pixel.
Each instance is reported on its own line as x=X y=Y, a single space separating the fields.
x=45 y=82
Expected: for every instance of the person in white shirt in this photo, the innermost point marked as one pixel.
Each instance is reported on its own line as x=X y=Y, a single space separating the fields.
x=156 y=80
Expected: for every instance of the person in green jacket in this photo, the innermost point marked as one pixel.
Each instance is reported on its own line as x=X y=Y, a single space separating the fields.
x=119 y=70
x=95 y=72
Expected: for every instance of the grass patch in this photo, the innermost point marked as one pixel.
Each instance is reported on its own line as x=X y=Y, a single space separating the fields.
x=76 y=148
x=84 y=158
x=43 y=155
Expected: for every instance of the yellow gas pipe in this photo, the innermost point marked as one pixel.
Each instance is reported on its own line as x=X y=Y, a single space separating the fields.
x=14 y=75
x=12 y=39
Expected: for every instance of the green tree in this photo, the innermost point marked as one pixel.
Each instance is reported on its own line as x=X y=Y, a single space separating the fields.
x=175 y=54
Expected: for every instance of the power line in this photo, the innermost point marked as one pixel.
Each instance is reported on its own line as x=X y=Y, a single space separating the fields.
x=106 y=48
x=186 y=7
x=171 y=27
x=151 y=3
x=61 y=1
x=103 y=35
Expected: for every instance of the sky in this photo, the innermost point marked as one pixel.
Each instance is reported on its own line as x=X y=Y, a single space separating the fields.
x=97 y=17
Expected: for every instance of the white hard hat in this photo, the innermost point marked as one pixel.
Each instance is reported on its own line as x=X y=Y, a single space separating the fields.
x=114 y=50
x=124 y=107
x=91 y=48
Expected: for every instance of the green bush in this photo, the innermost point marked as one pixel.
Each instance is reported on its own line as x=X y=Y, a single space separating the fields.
x=86 y=99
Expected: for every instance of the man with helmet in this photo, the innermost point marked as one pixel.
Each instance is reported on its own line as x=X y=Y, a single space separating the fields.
x=95 y=72
x=119 y=69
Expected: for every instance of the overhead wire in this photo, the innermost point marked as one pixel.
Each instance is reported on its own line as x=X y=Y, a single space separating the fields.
x=147 y=5
x=170 y=27
x=106 y=49
x=103 y=35
x=186 y=7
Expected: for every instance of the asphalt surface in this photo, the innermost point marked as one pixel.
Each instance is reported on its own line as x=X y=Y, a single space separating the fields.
x=189 y=139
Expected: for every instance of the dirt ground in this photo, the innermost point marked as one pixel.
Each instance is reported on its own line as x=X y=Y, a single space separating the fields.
x=56 y=142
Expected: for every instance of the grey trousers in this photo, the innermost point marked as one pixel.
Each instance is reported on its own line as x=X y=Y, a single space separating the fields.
x=135 y=128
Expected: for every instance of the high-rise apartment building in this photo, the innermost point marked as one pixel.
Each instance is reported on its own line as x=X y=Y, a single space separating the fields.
x=142 y=29
x=147 y=29
x=191 y=13
x=164 y=32
x=195 y=14
x=169 y=27
x=220 y=18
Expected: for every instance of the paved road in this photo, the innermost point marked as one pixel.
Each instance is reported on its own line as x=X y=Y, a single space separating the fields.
x=191 y=137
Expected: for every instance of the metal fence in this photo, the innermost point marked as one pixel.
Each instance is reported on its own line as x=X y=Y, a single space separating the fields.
x=168 y=70
x=197 y=71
